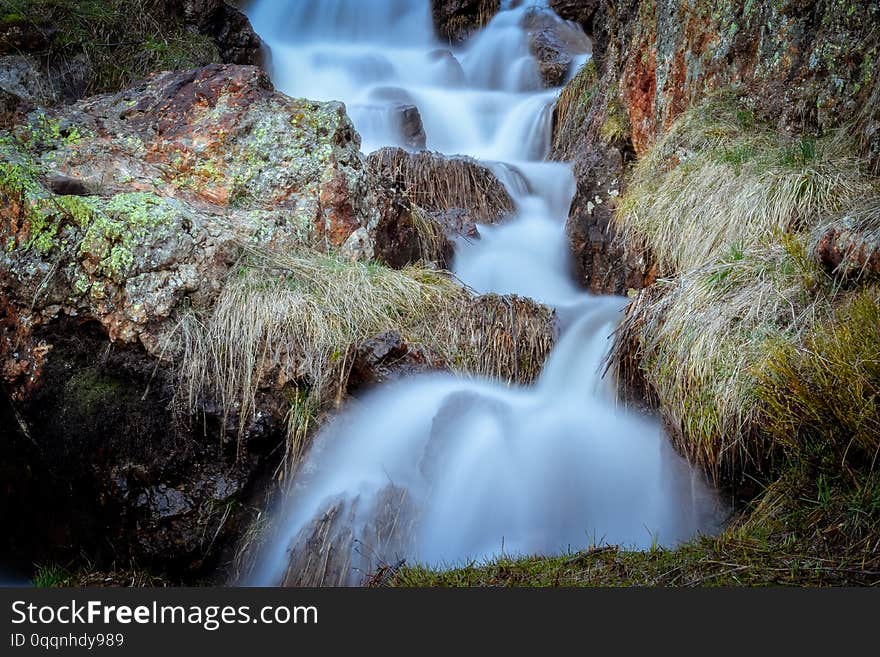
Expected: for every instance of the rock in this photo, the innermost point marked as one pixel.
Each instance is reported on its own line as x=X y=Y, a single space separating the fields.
x=235 y=37
x=411 y=128
x=428 y=200
x=555 y=43
x=456 y=20
x=850 y=250
x=579 y=11
x=457 y=222
x=192 y=163
x=451 y=73
x=22 y=88
x=226 y=24
x=397 y=241
x=119 y=214
x=386 y=357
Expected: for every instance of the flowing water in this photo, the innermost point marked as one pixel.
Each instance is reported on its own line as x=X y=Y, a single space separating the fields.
x=474 y=467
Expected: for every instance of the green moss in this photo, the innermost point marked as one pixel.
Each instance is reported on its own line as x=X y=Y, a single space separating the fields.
x=89 y=392
x=115 y=228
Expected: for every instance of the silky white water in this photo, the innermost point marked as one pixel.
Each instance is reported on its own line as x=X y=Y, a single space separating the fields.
x=542 y=469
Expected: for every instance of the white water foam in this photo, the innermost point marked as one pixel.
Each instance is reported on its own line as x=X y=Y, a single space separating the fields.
x=540 y=469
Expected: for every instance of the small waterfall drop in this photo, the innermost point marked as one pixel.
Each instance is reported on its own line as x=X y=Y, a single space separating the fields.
x=473 y=467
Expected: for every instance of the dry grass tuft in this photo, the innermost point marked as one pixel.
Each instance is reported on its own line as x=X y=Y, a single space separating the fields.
x=735 y=209
x=574 y=102
x=288 y=322
x=436 y=183
x=699 y=340
x=717 y=180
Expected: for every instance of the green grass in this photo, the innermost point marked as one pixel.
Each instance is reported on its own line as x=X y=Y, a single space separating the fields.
x=50 y=576
x=796 y=533
x=718 y=178
x=121 y=40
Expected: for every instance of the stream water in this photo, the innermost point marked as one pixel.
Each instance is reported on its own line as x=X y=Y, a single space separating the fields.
x=485 y=468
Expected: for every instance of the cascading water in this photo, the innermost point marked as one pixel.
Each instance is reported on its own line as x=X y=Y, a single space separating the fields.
x=470 y=468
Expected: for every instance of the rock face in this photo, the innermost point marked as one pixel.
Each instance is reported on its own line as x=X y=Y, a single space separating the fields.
x=22 y=88
x=228 y=26
x=555 y=43
x=456 y=20
x=655 y=60
x=117 y=214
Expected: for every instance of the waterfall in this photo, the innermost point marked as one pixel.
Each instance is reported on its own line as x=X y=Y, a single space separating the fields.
x=440 y=469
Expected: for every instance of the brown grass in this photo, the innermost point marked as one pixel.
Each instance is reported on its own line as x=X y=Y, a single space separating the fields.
x=288 y=322
x=435 y=182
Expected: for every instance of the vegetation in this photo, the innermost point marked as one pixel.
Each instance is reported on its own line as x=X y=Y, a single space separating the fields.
x=574 y=101
x=53 y=575
x=764 y=363
x=306 y=311
x=115 y=42
x=719 y=180
x=439 y=183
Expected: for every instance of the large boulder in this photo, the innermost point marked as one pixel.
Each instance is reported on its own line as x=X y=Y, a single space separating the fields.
x=119 y=215
x=171 y=177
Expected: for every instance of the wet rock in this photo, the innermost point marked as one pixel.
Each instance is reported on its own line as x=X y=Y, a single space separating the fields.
x=411 y=127
x=456 y=20
x=457 y=222
x=386 y=357
x=555 y=43
x=451 y=72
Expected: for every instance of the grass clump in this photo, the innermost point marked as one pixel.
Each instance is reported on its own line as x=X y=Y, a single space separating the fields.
x=822 y=396
x=120 y=40
x=719 y=178
x=290 y=321
x=792 y=537
x=698 y=341
x=437 y=183
x=50 y=576
x=575 y=100
x=733 y=207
